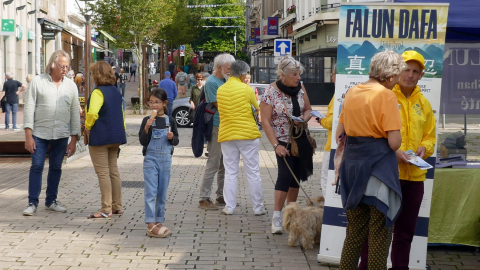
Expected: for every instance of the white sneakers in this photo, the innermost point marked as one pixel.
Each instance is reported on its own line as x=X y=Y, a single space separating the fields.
x=227 y=212
x=56 y=207
x=260 y=212
x=277 y=225
x=30 y=210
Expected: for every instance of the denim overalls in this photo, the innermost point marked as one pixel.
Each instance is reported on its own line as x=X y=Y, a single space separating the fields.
x=156 y=171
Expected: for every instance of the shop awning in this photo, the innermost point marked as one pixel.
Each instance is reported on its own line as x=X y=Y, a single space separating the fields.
x=73 y=33
x=306 y=31
x=107 y=35
x=100 y=47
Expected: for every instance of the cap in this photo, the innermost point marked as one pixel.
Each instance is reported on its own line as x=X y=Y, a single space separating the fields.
x=155 y=82
x=168 y=73
x=414 y=56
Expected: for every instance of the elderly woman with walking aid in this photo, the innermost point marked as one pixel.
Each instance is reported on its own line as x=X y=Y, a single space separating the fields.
x=280 y=101
x=369 y=182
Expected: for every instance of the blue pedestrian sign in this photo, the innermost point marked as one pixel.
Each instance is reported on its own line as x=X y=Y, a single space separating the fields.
x=283 y=47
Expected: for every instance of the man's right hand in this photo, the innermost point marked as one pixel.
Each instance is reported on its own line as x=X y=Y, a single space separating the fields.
x=401 y=156
x=30 y=144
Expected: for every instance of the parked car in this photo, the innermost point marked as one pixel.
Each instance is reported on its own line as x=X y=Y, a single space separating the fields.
x=181 y=108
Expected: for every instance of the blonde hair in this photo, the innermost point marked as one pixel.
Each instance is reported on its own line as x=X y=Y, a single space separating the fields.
x=289 y=65
x=54 y=57
x=386 y=64
x=29 y=77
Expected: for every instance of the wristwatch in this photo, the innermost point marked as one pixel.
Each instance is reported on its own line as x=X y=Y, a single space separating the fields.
x=275 y=146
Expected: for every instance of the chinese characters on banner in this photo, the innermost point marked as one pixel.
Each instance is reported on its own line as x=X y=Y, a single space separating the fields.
x=365 y=30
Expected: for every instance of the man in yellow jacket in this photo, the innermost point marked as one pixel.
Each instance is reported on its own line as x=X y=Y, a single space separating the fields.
x=238 y=135
x=418 y=134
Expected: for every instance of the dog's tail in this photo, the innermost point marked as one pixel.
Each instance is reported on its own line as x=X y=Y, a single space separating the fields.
x=289 y=214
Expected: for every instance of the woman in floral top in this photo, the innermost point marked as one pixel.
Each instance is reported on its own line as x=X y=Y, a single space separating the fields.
x=290 y=92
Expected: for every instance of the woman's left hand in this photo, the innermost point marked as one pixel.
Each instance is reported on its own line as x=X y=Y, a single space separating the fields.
x=170 y=135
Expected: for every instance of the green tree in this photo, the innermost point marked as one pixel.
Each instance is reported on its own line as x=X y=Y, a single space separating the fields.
x=222 y=39
x=133 y=23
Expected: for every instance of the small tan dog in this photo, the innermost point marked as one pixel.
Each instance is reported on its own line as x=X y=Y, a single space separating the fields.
x=304 y=224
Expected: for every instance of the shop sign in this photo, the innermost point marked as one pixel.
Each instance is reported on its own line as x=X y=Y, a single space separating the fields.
x=272 y=26
x=31 y=35
x=48 y=35
x=8 y=27
x=257 y=35
x=331 y=39
x=19 y=32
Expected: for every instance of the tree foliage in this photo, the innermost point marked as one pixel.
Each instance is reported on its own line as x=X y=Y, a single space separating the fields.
x=133 y=23
x=221 y=39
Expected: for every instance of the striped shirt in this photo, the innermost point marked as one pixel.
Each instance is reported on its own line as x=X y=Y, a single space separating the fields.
x=50 y=110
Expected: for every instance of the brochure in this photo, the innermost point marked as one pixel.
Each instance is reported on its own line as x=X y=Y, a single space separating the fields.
x=294 y=118
x=317 y=114
x=417 y=161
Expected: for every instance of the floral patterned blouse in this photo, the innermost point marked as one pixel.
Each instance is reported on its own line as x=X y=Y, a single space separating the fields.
x=274 y=98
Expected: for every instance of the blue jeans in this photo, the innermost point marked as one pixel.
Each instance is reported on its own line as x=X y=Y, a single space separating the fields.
x=55 y=159
x=156 y=173
x=170 y=107
x=121 y=88
x=14 y=108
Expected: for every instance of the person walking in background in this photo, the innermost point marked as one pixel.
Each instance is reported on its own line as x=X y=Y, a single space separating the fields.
x=133 y=71
x=151 y=69
x=105 y=128
x=171 y=89
x=281 y=99
x=79 y=81
x=71 y=74
x=122 y=77
x=195 y=93
x=60 y=118
x=10 y=91
x=327 y=123
x=215 y=159
x=171 y=68
x=117 y=78
x=368 y=174
x=418 y=134
x=182 y=83
x=157 y=135
x=239 y=136
x=191 y=80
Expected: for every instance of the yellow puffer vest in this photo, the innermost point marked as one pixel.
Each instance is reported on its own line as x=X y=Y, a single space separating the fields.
x=418 y=129
x=235 y=100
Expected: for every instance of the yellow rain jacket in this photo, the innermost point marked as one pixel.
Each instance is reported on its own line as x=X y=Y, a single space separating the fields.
x=235 y=100
x=327 y=124
x=418 y=129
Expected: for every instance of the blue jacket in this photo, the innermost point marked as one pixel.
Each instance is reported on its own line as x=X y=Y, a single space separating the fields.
x=202 y=126
x=109 y=127
x=170 y=88
x=362 y=158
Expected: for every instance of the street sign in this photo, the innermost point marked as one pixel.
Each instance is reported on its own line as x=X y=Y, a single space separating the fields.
x=182 y=50
x=8 y=27
x=282 y=47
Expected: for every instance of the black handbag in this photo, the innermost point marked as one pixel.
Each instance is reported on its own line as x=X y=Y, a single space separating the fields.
x=3 y=103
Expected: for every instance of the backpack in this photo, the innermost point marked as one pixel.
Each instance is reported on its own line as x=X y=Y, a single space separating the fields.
x=182 y=78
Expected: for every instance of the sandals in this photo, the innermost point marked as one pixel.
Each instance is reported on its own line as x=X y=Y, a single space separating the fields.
x=161 y=233
x=102 y=216
x=118 y=212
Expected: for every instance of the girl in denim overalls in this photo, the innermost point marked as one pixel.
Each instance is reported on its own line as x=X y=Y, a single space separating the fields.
x=158 y=135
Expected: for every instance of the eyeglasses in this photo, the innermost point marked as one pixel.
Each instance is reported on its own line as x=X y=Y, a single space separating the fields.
x=289 y=62
x=154 y=102
x=62 y=67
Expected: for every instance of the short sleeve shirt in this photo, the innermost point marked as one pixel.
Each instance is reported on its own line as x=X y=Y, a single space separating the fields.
x=370 y=111
x=10 y=87
x=211 y=87
x=275 y=98
x=134 y=66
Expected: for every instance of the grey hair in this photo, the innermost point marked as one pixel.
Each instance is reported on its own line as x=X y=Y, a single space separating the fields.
x=29 y=77
x=9 y=74
x=386 y=64
x=222 y=59
x=239 y=68
x=289 y=65
x=54 y=57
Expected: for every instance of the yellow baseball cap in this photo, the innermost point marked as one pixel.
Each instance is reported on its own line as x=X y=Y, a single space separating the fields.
x=414 y=56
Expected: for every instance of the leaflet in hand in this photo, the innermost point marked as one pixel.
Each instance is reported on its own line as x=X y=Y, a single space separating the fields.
x=417 y=161
x=294 y=118
x=317 y=114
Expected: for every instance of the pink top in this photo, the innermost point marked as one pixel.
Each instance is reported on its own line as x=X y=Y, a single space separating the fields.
x=274 y=97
